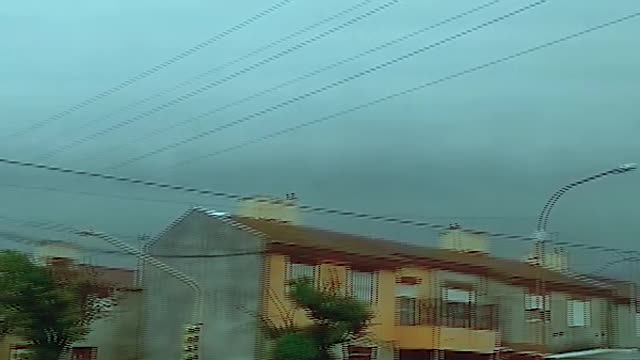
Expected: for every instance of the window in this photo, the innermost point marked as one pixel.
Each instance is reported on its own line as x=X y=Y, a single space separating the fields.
x=298 y=271
x=578 y=313
x=536 y=307
x=534 y=302
x=458 y=307
x=361 y=353
x=407 y=304
x=637 y=320
x=458 y=296
x=364 y=286
x=84 y=353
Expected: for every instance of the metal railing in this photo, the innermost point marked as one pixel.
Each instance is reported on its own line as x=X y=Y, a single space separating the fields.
x=435 y=312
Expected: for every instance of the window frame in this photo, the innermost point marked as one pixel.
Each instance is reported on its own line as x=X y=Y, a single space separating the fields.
x=291 y=265
x=373 y=286
x=571 y=313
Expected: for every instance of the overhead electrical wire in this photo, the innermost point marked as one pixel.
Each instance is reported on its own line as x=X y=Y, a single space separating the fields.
x=48 y=225
x=110 y=196
x=293 y=81
x=28 y=239
x=393 y=96
x=301 y=207
x=327 y=87
x=36 y=241
x=215 y=83
x=221 y=208
x=184 y=54
x=203 y=75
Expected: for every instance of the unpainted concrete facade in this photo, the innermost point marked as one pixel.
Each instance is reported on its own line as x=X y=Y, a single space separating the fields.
x=231 y=285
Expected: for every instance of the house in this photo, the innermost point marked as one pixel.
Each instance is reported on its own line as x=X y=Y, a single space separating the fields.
x=456 y=302
x=115 y=337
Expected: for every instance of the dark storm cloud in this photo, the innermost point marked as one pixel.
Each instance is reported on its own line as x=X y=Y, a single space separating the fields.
x=485 y=150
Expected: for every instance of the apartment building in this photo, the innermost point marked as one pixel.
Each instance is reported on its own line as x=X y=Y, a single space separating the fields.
x=456 y=302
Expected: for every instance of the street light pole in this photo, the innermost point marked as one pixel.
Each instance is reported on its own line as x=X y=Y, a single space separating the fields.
x=542 y=236
x=192 y=330
x=543 y=218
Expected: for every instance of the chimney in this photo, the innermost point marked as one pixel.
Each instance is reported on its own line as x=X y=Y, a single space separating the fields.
x=549 y=256
x=270 y=208
x=456 y=239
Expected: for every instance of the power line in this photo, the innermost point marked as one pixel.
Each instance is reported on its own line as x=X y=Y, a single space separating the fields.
x=220 y=207
x=327 y=87
x=209 y=72
x=220 y=81
x=49 y=226
x=300 y=78
x=147 y=73
x=302 y=207
x=36 y=241
x=402 y=93
x=113 y=196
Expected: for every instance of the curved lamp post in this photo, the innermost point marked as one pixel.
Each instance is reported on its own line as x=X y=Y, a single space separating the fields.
x=543 y=218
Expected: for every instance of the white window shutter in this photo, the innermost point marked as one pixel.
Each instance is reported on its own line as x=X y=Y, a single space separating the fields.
x=408 y=291
x=459 y=296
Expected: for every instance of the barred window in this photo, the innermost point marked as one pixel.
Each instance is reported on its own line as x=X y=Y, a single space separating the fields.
x=298 y=271
x=407 y=313
x=364 y=286
x=407 y=304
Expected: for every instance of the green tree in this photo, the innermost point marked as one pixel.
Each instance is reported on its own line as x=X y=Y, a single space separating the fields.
x=49 y=306
x=337 y=319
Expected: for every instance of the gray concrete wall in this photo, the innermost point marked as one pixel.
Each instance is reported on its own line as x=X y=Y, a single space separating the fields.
x=623 y=326
x=557 y=334
x=562 y=337
x=514 y=327
x=117 y=336
x=231 y=285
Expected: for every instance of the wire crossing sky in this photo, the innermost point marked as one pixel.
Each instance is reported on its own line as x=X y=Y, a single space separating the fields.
x=407 y=91
x=476 y=130
x=302 y=207
x=213 y=84
x=145 y=74
x=148 y=136
x=327 y=87
x=204 y=75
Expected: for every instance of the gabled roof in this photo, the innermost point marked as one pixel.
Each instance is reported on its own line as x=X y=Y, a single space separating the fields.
x=508 y=270
x=281 y=236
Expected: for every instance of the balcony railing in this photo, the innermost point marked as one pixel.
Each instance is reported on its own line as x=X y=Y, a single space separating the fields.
x=441 y=313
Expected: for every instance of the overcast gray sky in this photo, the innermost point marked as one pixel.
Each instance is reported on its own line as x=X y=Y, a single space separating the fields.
x=485 y=150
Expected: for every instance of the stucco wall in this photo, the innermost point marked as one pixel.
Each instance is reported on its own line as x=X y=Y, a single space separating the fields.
x=560 y=337
x=563 y=337
x=231 y=286
x=117 y=336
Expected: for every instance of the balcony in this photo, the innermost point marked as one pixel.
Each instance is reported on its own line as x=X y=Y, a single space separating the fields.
x=415 y=312
x=435 y=324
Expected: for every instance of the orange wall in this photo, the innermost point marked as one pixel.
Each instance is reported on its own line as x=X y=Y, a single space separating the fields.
x=383 y=327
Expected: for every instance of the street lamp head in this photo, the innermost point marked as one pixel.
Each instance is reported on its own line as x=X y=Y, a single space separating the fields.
x=628 y=167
